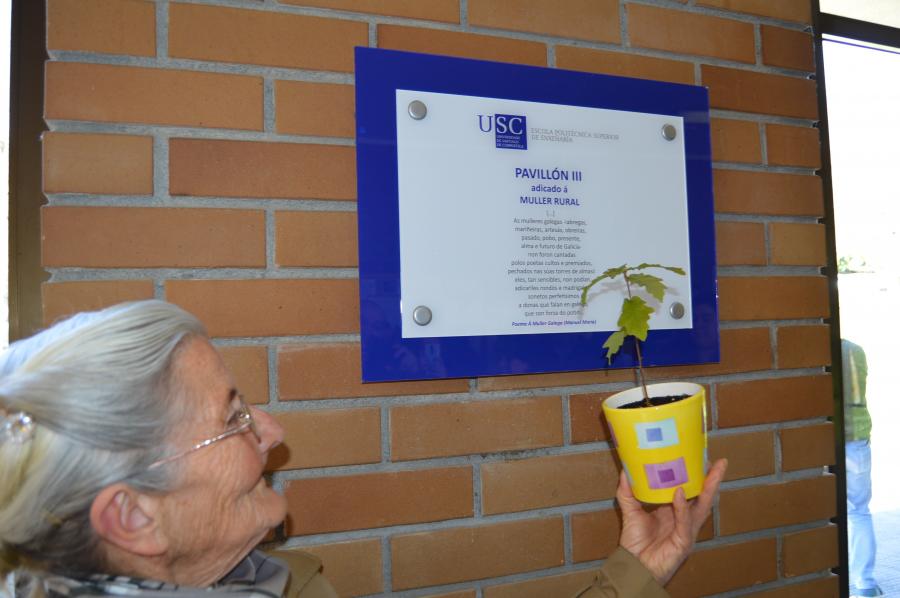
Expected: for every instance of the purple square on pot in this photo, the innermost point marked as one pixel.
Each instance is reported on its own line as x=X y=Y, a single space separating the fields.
x=667 y=474
x=654 y=434
x=658 y=434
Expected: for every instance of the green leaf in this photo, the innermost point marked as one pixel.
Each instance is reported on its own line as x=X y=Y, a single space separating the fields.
x=613 y=344
x=653 y=284
x=675 y=269
x=635 y=317
x=611 y=273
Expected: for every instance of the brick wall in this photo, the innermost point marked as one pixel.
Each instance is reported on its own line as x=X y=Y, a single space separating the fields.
x=202 y=152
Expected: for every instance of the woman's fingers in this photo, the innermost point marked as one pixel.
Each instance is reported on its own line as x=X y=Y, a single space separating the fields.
x=683 y=523
x=625 y=497
x=703 y=505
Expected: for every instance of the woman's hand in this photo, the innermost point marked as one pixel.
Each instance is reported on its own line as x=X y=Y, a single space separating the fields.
x=662 y=539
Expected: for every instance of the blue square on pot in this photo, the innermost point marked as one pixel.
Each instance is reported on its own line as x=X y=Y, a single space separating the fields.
x=667 y=474
x=657 y=434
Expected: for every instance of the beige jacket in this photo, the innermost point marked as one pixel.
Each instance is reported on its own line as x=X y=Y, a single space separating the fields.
x=621 y=576
x=307 y=580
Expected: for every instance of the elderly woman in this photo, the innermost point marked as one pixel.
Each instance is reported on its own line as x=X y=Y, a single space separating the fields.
x=130 y=464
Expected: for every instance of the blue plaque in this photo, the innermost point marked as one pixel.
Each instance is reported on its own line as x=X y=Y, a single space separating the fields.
x=490 y=193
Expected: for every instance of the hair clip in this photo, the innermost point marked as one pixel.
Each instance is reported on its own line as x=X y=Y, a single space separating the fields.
x=17 y=427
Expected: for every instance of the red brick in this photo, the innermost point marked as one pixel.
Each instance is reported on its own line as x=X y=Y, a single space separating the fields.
x=777 y=505
x=775 y=400
x=216 y=167
x=99 y=164
x=749 y=455
x=548 y=481
x=461 y=554
x=63 y=299
x=353 y=568
x=823 y=587
x=221 y=34
x=303 y=108
x=689 y=33
x=810 y=551
x=595 y=534
x=446 y=429
x=104 y=26
x=804 y=346
x=740 y=244
x=742 y=350
x=89 y=237
x=760 y=93
x=624 y=64
x=331 y=504
x=591 y=20
x=332 y=371
x=771 y=298
x=787 y=48
x=703 y=572
x=793 y=146
x=433 y=10
x=790 y=10
x=797 y=244
x=232 y=308
x=465 y=45
x=125 y=94
x=309 y=239
x=807 y=447
x=586 y=418
x=566 y=584
x=328 y=437
x=735 y=141
x=743 y=192
x=250 y=368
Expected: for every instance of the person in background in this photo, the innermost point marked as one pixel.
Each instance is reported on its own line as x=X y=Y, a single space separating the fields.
x=130 y=465
x=857 y=431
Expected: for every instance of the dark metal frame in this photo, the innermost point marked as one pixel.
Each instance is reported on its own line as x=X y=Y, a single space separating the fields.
x=829 y=24
x=26 y=125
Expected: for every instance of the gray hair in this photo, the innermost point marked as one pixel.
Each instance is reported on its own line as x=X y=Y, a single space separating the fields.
x=98 y=388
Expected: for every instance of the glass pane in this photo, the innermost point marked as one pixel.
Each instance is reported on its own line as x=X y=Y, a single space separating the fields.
x=883 y=12
x=863 y=89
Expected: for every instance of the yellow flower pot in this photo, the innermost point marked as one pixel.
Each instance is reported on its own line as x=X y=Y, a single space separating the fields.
x=662 y=448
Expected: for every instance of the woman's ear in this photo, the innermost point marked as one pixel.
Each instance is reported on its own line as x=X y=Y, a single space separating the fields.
x=128 y=520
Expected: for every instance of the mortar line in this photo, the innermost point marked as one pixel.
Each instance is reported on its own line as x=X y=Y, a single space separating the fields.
x=477 y=491
x=386 y=559
x=386 y=444
x=162 y=29
x=270 y=239
x=272 y=369
x=269 y=105
x=160 y=168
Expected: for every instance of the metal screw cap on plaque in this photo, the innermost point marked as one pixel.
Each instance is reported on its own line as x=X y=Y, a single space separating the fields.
x=422 y=316
x=417 y=110
x=676 y=310
x=669 y=132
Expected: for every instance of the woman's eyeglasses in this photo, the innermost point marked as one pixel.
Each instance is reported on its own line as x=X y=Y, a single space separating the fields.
x=243 y=422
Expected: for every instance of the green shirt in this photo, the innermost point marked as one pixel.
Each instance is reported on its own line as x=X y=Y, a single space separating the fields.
x=857 y=423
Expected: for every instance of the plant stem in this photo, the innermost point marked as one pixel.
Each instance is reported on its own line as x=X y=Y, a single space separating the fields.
x=637 y=350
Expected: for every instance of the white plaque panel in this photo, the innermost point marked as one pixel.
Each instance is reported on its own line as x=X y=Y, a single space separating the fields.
x=508 y=208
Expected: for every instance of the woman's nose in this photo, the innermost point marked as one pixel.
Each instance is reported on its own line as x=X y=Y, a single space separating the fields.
x=269 y=431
